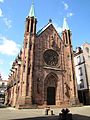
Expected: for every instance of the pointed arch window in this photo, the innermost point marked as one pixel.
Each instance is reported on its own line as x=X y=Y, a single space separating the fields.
x=32 y=21
x=28 y=23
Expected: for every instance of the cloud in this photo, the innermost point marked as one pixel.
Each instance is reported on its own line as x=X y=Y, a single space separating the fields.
x=8 y=47
x=1 y=14
x=5 y=19
x=70 y=14
x=58 y=28
x=66 y=6
x=7 y=22
x=1 y=1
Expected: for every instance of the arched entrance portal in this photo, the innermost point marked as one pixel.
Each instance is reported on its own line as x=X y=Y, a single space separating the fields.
x=50 y=87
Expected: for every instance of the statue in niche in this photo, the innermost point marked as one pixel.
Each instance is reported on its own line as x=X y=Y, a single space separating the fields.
x=67 y=90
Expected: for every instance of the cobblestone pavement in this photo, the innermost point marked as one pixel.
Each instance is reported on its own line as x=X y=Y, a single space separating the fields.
x=79 y=113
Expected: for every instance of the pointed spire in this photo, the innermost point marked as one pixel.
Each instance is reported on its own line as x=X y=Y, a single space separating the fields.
x=65 y=25
x=32 y=11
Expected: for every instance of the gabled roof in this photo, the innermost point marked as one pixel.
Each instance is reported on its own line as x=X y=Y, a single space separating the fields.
x=43 y=29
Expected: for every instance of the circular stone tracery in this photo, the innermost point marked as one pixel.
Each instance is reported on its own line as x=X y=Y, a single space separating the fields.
x=51 y=57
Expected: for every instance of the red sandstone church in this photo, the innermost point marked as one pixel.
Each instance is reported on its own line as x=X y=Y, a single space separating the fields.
x=43 y=72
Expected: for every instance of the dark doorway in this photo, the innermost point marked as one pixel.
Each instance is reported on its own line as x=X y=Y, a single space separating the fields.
x=82 y=97
x=51 y=96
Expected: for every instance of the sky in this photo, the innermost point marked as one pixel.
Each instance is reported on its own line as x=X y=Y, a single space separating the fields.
x=13 y=14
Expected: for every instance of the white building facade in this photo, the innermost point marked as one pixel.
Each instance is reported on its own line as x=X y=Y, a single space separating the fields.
x=3 y=86
x=86 y=53
x=81 y=76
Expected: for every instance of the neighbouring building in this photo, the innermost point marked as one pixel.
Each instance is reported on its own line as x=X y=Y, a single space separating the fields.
x=86 y=53
x=43 y=72
x=82 y=68
x=3 y=87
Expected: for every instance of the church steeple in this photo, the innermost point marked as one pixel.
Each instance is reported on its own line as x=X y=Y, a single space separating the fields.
x=65 y=25
x=28 y=53
x=32 y=10
x=31 y=20
x=66 y=33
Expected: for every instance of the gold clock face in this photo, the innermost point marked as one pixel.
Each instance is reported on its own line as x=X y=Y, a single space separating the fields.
x=51 y=57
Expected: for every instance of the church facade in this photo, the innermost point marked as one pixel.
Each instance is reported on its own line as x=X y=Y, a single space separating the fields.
x=43 y=72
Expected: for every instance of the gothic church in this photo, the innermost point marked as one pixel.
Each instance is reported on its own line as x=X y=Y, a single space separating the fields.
x=43 y=72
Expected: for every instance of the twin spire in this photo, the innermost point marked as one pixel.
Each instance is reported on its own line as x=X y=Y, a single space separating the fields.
x=65 y=25
x=32 y=10
x=32 y=14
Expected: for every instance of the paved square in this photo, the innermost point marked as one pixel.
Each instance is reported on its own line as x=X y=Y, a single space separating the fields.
x=79 y=113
